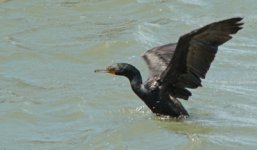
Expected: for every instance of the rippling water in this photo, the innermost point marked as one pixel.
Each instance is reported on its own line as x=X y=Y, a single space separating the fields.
x=51 y=99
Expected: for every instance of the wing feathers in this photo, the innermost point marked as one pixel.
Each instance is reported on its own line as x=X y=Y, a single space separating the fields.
x=194 y=54
x=199 y=58
x=158 y=58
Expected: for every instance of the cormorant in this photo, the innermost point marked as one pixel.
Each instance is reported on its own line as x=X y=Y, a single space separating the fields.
x=173 y=68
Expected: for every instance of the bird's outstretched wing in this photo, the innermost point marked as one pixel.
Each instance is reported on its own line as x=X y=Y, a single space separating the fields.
x=158 y=58
x=193 y=56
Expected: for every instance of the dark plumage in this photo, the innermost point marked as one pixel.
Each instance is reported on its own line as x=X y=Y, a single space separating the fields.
x=175 y=67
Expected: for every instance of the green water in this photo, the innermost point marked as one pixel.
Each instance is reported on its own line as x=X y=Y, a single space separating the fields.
x=50 y=98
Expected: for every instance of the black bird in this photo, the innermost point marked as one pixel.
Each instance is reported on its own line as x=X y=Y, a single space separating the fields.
x=175 y=67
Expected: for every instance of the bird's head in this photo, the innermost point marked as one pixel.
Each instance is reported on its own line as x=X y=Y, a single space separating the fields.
x=116 y=69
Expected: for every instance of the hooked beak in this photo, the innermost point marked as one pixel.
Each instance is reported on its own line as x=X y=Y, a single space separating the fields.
x=101 y=70
x=107 y=70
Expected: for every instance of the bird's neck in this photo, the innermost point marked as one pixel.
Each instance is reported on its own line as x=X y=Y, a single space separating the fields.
x=135 y=79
